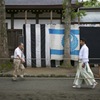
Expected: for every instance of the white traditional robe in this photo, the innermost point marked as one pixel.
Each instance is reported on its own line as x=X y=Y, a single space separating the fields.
x=84 y=73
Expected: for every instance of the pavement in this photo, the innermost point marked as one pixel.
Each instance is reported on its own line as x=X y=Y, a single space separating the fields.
x=45 y=88
x=51 y=72
x=47 y=84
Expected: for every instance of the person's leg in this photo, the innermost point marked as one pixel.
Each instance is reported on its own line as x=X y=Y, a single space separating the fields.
x=88 y=69
x=78 y=79
x=16 y=68
x=88 y=76
x=22 y=69
x=91 y=75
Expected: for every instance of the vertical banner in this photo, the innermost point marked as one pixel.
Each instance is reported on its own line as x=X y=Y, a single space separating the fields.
x=56 y=41
x=37 y=45
x=44 y=44
x=28 y=45
x=47 y=45
x=74 y=42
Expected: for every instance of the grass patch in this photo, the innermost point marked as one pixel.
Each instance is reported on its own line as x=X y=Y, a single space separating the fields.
x=6 y=66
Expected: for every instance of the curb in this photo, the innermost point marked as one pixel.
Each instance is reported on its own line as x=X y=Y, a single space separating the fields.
x=41 y=75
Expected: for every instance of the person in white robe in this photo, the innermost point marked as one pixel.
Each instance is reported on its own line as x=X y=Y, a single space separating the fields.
x=84 y=73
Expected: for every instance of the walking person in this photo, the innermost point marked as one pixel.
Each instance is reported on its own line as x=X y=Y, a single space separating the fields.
x=22 y=68
x=18 y=61
x=84 y=73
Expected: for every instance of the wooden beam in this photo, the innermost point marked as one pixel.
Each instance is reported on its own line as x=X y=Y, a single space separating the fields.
x=51 y=15
x=12 y=20
x=37 y=18
x=26 y=17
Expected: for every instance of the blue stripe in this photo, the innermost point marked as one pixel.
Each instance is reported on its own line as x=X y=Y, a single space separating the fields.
x=61 y=31
x=56 y=31
x=56 y=52
x=61 y=52
x=75 y=52
x=75 y=32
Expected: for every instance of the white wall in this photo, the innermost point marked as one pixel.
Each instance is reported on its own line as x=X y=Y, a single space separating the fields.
x=18 y=23
x=47 y=21
x=91 y=17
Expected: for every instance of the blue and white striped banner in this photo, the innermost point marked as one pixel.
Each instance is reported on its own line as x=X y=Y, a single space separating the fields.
x=75 y=44
x=57 y=42
x=56 y=38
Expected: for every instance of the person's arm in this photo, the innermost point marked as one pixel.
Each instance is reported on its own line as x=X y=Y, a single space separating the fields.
x=81 y=54
x=85 y=56
x=83 y=65
x=18 y=54
x=23 y=58
x=19 y=57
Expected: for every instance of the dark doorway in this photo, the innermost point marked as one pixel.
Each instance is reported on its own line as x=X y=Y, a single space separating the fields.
x=92 y=37
x=13 y=39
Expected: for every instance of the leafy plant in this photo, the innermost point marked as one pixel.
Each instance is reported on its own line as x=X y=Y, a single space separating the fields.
x=6 y=66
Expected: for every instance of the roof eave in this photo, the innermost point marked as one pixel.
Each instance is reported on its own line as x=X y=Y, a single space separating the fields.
x=38 y=6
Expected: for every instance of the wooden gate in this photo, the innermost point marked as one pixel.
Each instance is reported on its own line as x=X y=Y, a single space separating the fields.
x=13 y=39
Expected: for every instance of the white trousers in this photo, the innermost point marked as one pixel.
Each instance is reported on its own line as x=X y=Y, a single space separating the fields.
x=84 y=74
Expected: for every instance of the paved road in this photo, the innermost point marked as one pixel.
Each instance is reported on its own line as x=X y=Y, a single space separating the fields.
x=45 y=89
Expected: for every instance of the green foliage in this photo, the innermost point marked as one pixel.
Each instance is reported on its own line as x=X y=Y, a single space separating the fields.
x=80 y=13
x=6 y=66
x=73 y=13
x=92 y=3
x=66 y=10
